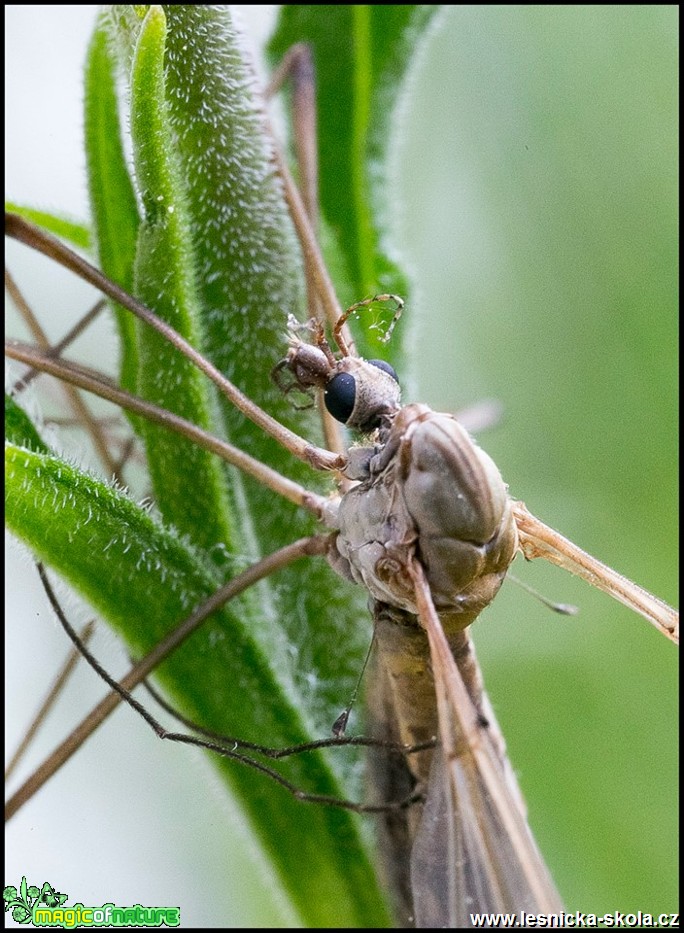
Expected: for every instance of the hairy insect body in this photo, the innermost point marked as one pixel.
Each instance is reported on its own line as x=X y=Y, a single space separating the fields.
x=430 y=493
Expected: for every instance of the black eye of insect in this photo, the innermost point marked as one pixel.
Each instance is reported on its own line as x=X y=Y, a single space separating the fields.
x=340 y=396
x=381 y=364
x=362 y=392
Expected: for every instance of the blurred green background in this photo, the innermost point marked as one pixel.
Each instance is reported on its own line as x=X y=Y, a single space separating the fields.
x=535 y=205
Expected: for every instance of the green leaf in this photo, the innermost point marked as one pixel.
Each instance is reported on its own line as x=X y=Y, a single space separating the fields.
x=72 y=520
x=362 y=55
x=229 y=223
x=164 y=278
x=112 y=196
x=70 y=230
x=19 y=429
x=223 y=266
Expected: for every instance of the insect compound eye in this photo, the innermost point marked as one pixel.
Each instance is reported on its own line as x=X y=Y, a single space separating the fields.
x=340 y=396
x=381 y=364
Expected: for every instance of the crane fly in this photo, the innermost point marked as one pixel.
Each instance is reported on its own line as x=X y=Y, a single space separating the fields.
x=449 y=678
x=429 y=523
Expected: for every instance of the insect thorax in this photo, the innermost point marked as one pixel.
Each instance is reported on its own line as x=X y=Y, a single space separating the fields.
x=433 y=493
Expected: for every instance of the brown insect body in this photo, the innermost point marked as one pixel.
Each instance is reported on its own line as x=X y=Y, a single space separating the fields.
x=427 y=496
x=425 y=490
x=434 y=494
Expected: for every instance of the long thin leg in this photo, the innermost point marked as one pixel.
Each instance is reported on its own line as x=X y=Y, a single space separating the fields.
x=263 y=568
x=62 y=344
x=100 y=385
x=539 y=540
x=50 y=698
x=32 y=236
x=297 y=66
x=227 y=747
x=276 y=754
x=78 y=406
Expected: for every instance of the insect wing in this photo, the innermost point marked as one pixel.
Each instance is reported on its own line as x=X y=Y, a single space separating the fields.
x=473 y=852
